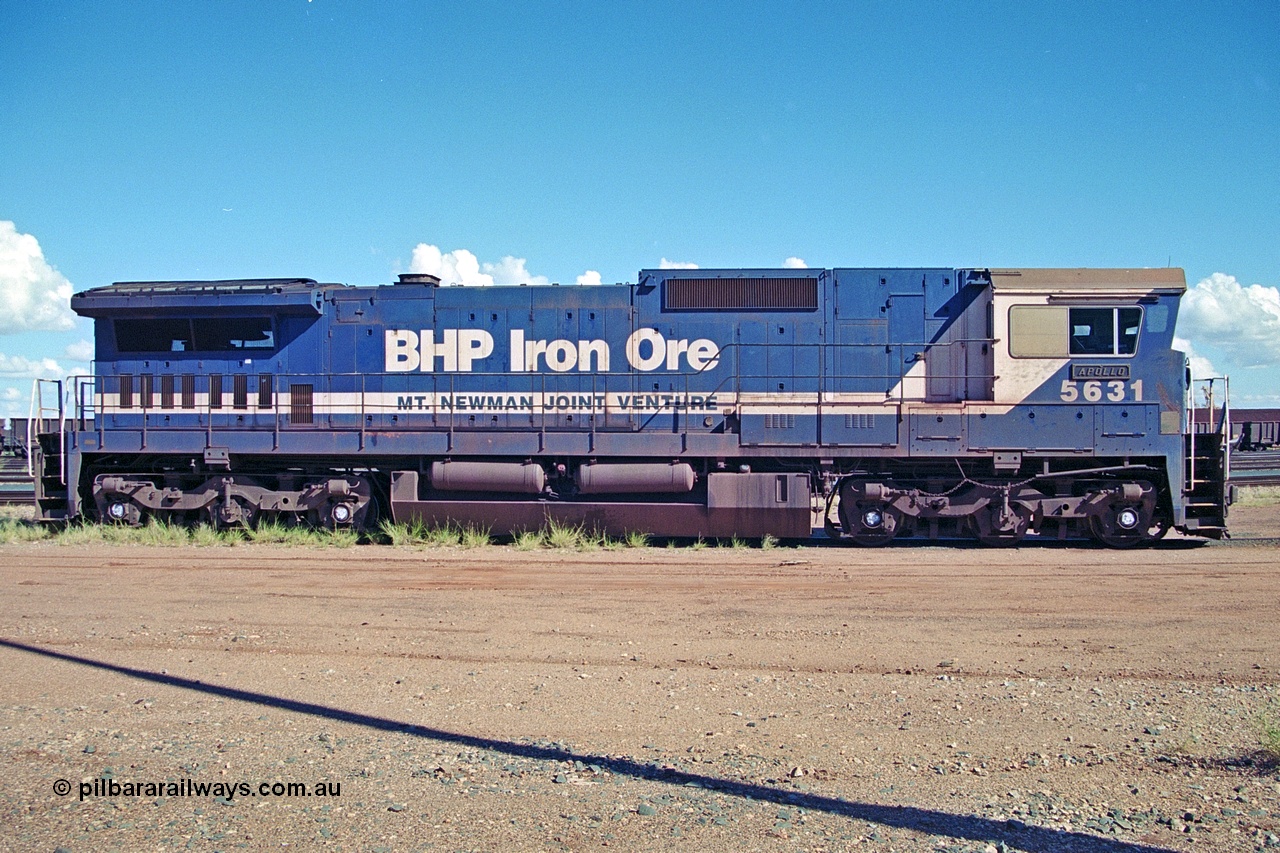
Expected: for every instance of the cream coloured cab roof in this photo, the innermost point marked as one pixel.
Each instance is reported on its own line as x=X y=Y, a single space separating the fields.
x=1133 y=282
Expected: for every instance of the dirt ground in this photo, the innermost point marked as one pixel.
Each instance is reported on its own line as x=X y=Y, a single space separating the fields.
x=819 y=698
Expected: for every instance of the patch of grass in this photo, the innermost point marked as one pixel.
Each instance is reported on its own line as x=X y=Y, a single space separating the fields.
x=1269 y=733
x=277 y=533
x=153 y=533
x=417 y=533
x=737 y=544
x=14 y=531
x=208 y=536
x=636 y=539
x=474 y=537
x=768 y=542
x=340 y=537
x=80 y=534
x=160 y=533
x=404 y=533
x=1258 y=496
x=562 y=536
x=593 y=540
x=528 y=540
x=447 y=536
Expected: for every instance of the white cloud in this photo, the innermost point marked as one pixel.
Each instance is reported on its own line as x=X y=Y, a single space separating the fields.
x=35 y=295
x=589 y=277
x=1243 y=323
x=665 y=264
x=511 y=270
x=21 y=367
x=794 y=263
x=1200 y=366
x=462 y=267
x=80 y=351
x=11 y=394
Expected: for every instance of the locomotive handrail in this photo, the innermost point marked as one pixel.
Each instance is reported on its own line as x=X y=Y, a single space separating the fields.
x=31 y=416
x=822 y=379
x=1222 y=429
x=36 y=412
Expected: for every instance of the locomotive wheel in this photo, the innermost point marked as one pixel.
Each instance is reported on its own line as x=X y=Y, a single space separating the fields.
x=1123 y=526
x=874 y=524
x=119 y=509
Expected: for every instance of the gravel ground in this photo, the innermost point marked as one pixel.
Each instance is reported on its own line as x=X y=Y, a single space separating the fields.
x=914 y=698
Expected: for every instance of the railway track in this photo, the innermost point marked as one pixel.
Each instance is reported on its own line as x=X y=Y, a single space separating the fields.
x=1256 y=468
x=17 y=497
x=15 y=483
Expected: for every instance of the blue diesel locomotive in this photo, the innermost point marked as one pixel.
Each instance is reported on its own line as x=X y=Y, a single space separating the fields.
x=875 y=403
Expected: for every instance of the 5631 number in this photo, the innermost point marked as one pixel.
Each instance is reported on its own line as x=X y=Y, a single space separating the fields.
x=1093 y=391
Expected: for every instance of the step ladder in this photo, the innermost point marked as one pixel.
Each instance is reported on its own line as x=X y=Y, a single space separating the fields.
x=1207 y=485
x=47 y=450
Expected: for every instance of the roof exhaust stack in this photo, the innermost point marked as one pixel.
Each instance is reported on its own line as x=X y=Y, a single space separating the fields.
x=424 y=278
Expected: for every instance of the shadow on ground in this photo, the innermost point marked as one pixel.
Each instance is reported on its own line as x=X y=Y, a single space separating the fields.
x=1014 y=834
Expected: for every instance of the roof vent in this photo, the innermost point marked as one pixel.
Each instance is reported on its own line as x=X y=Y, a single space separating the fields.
x=419 y=278
x=742 y=294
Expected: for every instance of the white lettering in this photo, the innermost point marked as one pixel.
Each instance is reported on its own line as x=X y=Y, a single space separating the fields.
x=703 y=353
x=401 y=351
x=533 y=349
x=459 y=350
x=698 y=355
x=657 y=349
x=517 y=351
x=561 y=355
x=473 y=344
x=599 y=349
x=447 y=349
x=673 y=353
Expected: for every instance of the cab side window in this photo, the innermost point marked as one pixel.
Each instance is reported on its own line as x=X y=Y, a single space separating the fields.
x=1092 y=331
x=1104 y=331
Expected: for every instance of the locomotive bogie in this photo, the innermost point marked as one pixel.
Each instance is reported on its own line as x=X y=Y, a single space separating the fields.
x=234 y=500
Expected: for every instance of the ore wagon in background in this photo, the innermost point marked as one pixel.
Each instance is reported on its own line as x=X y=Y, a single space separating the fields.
x=886 y=403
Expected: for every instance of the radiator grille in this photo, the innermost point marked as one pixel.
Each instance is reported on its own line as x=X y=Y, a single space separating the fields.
x=215 y=390
x=300 y=411
x=750 y=294
x=859 y=421
x=779 y=421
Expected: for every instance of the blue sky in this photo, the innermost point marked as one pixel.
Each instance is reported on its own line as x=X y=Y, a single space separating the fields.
x=341 y=140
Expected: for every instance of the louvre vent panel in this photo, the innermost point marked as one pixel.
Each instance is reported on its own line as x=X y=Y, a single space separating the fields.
x=750 y=294
x=300 y=404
